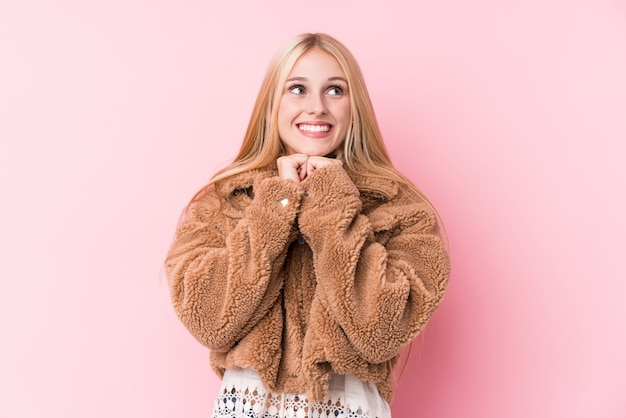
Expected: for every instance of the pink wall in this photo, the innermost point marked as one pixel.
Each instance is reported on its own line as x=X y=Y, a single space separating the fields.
x=511 y=116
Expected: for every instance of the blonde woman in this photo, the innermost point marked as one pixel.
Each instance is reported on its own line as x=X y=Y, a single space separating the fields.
x=310 y=262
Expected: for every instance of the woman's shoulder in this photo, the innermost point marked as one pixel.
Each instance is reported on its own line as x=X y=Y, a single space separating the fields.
x=387 y=189
x=242 y=181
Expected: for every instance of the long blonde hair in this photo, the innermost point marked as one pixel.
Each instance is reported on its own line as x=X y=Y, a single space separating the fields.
x=363 y=148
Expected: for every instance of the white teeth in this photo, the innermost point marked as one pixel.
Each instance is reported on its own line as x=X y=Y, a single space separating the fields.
x=314 y=128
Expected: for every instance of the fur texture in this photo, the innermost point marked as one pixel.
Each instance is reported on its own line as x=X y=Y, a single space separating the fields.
x=338 y=280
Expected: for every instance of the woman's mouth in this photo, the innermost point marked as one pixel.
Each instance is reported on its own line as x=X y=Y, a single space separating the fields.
x=313 y=128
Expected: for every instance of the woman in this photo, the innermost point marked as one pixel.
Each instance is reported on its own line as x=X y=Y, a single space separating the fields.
x=308 y=264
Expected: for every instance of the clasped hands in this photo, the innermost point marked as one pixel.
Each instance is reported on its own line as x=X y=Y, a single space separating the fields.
x=297 y=167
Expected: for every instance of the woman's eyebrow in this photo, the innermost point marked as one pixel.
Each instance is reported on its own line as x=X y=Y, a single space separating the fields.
x=330 y=79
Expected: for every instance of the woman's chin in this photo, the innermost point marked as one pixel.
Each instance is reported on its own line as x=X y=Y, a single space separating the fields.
x=320 y=153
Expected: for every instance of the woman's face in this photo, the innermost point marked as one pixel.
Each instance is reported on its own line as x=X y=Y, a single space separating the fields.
x=314 y=110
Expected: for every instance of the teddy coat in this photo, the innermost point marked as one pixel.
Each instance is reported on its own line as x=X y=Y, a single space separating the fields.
x=297 y=281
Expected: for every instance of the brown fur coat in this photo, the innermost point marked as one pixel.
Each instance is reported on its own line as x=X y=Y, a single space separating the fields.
x=339 y=277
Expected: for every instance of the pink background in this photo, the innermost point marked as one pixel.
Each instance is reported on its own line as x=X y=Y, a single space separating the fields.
x=510 y=115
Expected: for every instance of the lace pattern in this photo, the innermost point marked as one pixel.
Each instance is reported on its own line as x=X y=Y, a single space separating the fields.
x=242 y=395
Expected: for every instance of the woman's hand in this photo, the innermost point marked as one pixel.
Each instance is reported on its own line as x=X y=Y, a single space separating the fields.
x=292 y=167
x=297 y=167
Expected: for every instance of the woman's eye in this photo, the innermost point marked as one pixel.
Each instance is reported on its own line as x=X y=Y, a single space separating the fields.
x=335 y=91
x=296 y=89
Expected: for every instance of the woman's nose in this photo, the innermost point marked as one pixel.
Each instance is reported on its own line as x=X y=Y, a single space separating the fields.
x=316 y=104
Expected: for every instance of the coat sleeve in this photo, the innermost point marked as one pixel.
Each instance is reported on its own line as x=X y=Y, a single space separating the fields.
x=223 y=272
x=380 y=285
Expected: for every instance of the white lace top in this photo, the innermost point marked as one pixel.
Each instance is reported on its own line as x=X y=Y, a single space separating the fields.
x=242 y=395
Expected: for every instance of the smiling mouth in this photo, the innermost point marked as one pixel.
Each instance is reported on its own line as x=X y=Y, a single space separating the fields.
x=313 y=128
